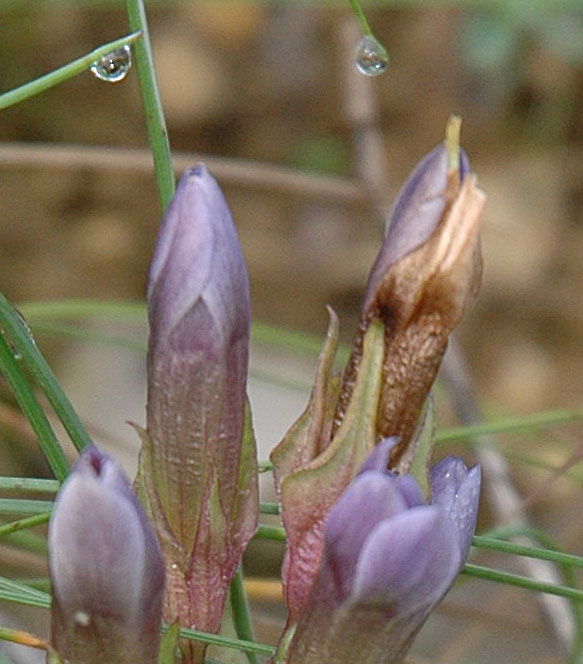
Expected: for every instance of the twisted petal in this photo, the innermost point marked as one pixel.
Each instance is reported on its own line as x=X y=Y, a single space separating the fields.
x=457 y=489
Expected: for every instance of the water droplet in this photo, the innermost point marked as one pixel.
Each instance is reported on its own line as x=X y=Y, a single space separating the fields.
x=113 y=67
x=372 y=58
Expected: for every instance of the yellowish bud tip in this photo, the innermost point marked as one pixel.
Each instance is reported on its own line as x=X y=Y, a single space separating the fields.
x=452 y=142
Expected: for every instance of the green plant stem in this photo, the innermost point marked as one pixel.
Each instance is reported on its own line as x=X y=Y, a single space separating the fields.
x=43 y=375
x=264 y=508
x=264 y=466
x=227 y=642
x=12 y=591
x=359 y=13
x=16 y=506
x=155 y=122
x=479 y=572
x=12 y=370
x=63 y=73
x=270 y=532
x=241 y=612
x=22 y=524
x=30 y=484
x=24 y=638
x=508 y=425
x=566 y=559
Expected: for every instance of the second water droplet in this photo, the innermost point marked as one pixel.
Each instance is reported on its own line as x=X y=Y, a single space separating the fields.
x=372 y=58
x=113 y=67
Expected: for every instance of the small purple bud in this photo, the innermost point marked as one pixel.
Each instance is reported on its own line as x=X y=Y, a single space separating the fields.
x=106 y=568
x=389 y=558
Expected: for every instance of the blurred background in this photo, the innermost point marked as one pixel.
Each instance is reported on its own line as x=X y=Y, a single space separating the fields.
x=310 y=155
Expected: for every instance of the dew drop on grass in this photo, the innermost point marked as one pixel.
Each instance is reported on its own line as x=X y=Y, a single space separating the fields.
x=113 y=67
x=372 y=58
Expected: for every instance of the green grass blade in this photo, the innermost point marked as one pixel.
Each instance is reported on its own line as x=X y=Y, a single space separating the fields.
x=241 y=612
x=227 y=642
x=17 y=506
x=63 y=73
x=42 y=373
x=12 y=370
x=509 y=425
x=270 y=532
x=23 y=524
x=155 y=122
x=558 y=557
x=12 y=591
x=480 y=572
x=30 y=484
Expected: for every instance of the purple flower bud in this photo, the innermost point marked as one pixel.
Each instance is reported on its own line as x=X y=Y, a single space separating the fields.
x=389 y=558
x=198 y=471
x=106 y=569
x=424 y=278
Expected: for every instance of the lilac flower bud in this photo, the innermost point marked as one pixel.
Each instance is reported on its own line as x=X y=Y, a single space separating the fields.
x=198 y=470
x=389 y=558
x=106 y=569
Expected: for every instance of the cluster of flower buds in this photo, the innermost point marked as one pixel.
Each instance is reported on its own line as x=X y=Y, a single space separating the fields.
x=388 y=559
x=371 y=548
x=425 y=276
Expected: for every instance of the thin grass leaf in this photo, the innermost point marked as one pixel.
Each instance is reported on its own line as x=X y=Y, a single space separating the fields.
x=64 y=73
x=18 y=506
x=14 y=374
x=27 y=541
x=508 y=425
x=29 y=484
x=241 y=612
x=269 y=508
x=227 y=642
x=480 y=572
x=566 y=559
x=43 y=375
x=23 y=638
x=22 y=524
x=275 y=533
x=155 y=121
x=506 y=532
x=13 y=591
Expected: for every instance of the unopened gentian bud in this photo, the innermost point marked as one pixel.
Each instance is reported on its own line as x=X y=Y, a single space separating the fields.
x=389 y=558
x=424 y=279
x=198 y=468
x=106 y=568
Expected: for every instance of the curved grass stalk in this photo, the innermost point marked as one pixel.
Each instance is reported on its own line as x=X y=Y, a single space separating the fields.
x=63 y=73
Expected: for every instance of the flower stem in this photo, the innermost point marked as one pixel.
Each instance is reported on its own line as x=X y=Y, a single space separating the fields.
x=155 y=122
x=241 y=612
